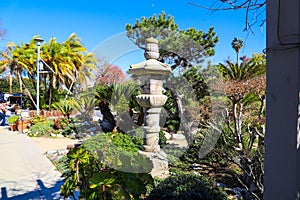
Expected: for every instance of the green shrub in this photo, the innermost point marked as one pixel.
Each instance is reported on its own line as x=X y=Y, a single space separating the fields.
x=37 y=118
x=61 y=123
x=187 y=186
x=65 y=126
x=70 y=128
x=120 y=141
x=162 y=139
x=138 y=137
x=13 y=119
x=118 y=151
x=98 y=169
x=44 y=128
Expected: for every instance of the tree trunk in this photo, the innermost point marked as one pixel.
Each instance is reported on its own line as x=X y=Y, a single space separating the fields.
x=140 y=120
x=29 y=94
x=20 y=82
x=187 y=132
x=237 y=117
x=103 y=192
x=10 y=84
x=240 y=119
x=107 y=116
x=262 y=105
x=50 y=92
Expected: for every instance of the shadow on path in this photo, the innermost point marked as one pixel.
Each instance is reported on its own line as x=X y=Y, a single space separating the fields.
x=43 y=192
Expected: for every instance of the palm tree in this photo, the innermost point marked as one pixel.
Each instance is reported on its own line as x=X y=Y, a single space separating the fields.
x=19 y=59
x=242 y=71
x=68 y=60
x=237 y=44
x=70 y=64
x=53 y=53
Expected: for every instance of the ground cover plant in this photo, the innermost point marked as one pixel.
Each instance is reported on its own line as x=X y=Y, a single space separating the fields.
x=42 y=128
x=187 y=185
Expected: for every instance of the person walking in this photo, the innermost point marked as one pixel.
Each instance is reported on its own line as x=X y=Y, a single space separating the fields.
x=3 y=113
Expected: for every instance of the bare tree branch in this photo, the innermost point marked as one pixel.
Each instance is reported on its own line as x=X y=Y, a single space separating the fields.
x=247 y=5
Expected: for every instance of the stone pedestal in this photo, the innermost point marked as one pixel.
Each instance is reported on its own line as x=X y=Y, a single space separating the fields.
x=160 y=163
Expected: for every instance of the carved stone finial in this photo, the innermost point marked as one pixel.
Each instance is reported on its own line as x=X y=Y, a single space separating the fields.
x=151 y=50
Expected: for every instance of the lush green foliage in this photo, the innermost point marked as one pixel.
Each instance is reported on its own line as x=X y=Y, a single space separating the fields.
x=37 y=118
x=13 y=119
x=65 y=126
x=85 y=105
x=70 y=63
x=187 y=186
x=239 y=122
x=162 y=141
x=179 y=47
x=65 y=106
x=122 y=151
x=106 y=167
x=171 y=109
x=120 y=99
x=194 y=76
x=43 y=128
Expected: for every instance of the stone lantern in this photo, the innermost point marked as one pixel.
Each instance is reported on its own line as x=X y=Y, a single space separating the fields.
x=151 y=73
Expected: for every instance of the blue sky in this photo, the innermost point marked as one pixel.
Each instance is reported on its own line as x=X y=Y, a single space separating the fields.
x=96 y=21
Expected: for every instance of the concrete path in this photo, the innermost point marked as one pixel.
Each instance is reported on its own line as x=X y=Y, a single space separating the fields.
x=25 y=173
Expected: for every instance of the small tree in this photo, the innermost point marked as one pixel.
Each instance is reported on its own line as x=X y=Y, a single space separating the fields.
x=110 y=74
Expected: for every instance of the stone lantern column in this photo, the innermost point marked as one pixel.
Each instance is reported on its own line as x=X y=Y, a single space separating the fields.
x=151 y=73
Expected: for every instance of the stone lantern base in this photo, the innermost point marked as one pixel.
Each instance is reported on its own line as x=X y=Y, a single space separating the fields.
x=160 y=163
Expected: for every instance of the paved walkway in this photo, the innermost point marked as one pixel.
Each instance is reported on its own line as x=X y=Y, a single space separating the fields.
x=25 y=173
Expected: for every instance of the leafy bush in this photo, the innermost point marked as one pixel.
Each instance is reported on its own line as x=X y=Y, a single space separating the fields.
x=93 y=168
x=162 y=139
x=13 y=119
x=119 y=151
x=234 y=168
x=65 y=126
x=138 y=137
x=44 y=128
x=107 y=140
x=187 y=186
x=37 y=118
x=61 y=123
x=70 y=128
x=173 y=120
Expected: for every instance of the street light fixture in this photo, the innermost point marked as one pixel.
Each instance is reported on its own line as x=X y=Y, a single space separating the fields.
x=38 y=41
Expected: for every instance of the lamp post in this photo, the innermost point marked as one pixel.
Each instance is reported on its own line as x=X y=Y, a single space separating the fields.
x=38 y=41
